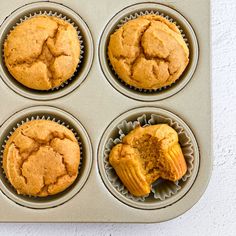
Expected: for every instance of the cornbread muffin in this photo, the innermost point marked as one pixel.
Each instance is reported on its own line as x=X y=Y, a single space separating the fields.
x=147 y=154
x=42 y=52
x=148 y=52
x=41 y=158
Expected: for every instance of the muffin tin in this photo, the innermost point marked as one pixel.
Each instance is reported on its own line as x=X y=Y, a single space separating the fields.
x=95 y=103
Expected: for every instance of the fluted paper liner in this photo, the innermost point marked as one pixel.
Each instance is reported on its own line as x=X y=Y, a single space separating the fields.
x=61 y=122
x=161 y=189
x=65 y=18
x=132 y=17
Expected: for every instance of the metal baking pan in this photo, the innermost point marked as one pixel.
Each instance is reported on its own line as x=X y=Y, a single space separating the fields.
x=95 y=101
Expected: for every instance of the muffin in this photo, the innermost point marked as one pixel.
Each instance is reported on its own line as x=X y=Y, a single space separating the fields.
x=41 y=158
x=148 y=52
x=147 y=154
x=42 y=52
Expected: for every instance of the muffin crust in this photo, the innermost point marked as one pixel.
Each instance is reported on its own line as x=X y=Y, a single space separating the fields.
x=148 y=52
x=41 y=158
x=42 y=52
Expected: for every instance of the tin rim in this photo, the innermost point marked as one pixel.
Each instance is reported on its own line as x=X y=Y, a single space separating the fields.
x=84 y=66
x=134 y=93
x=71 y=191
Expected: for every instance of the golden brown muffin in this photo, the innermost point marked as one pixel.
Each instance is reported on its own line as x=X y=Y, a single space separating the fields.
x=147 y=154
x=41 y=158
x=42 y=52
x=148 y=52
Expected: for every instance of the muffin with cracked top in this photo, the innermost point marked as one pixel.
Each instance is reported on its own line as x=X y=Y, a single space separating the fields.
x=42 y=52
x=148 y=52
x=41 y=158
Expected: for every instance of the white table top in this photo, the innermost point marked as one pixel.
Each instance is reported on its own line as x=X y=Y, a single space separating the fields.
x=215 y=213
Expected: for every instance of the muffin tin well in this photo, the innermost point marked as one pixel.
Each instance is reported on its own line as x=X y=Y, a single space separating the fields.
x=95 y=102
x=133 y=12
x=86 y=41
x=64 y=118
x=186 y=139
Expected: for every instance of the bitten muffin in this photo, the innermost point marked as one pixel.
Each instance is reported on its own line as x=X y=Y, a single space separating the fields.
x=42 y=52
x=147 y=154
x=41 y=158
x=148 y=52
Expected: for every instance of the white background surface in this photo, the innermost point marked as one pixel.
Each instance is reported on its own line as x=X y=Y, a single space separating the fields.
x=215 y=213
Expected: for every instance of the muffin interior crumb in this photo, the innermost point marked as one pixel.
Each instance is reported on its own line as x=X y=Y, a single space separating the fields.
x=150 y=155
x=148 y=149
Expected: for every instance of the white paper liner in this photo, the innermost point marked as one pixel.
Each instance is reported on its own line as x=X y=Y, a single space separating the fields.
x=161 y=189
x=65 y=18
x=61 y=122
x=132 y=17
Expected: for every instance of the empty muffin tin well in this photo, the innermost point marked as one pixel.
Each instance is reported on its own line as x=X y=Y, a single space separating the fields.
x=112 y=133
x=62 y=117
x=86 y=41
x=133 y=12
